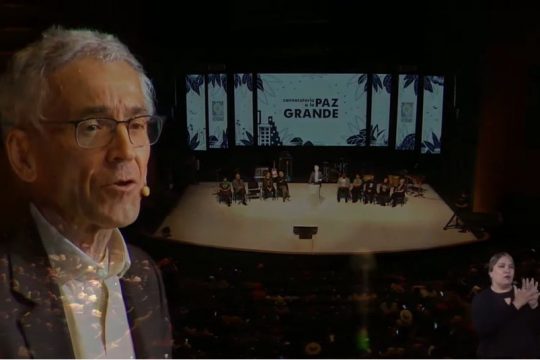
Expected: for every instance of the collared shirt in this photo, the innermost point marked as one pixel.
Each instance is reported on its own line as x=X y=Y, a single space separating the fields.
x=91 y=292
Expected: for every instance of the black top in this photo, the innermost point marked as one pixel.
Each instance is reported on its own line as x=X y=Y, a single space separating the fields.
x=504 y=331
x=225 y=186
x=281 y=181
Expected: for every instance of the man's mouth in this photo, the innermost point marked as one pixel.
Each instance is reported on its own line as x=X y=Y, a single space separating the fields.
x=123 y=185
x=124 y=182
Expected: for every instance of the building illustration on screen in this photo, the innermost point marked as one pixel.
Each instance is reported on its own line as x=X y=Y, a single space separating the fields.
x=268 y=133
x=264 y=134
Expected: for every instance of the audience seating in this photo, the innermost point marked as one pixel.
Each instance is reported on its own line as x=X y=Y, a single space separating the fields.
x=228 y=303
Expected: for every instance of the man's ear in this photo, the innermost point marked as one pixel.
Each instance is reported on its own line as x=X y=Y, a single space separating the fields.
x=21 y=155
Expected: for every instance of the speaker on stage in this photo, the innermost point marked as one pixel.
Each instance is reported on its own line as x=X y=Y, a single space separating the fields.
x=305 y=232
x=285 y=163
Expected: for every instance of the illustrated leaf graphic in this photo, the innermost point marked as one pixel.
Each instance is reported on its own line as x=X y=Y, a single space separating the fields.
x=362 y=78
x=388 y=83
x=436 y=141
x=194 y=143
x=377 y=82
x=260 y=83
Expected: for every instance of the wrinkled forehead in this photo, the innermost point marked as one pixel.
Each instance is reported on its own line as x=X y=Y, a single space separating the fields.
x=92 y=85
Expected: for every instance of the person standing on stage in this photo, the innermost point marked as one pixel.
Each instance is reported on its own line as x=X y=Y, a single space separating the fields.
x=316 y=176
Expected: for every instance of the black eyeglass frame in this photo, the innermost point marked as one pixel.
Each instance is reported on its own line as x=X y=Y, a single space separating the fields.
x=160 y=121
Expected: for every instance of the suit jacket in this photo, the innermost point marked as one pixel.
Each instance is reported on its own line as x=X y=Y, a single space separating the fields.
x=32 y=319
x=312 y=177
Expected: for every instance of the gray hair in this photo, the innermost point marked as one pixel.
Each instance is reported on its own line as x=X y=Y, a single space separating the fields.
x=495 y=258
x=24 y=87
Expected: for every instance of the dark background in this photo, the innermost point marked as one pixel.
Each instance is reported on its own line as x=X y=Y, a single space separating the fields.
x=487 y=50
x=489 y=53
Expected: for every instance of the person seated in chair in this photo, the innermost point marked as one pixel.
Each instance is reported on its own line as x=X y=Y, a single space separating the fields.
x=225 y=191
x=344 y=186
x=239 y=188
x=398 y=193
x=383 y=192
x=283 y=186
x=356 y=189
x=268 y=186
x=370 y=190
x=274 y=172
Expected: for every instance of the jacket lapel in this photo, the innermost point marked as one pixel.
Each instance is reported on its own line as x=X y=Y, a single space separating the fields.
x=146 y=308
x=133 y=293
x=42 y=320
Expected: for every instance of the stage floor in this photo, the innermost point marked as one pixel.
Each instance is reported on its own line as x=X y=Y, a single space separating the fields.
x=343 y=228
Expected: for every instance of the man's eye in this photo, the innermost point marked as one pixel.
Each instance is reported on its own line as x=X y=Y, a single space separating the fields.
x=138 y=125
x=92 y=127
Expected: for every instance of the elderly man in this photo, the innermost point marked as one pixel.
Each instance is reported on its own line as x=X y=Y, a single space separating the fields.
x=78 y=120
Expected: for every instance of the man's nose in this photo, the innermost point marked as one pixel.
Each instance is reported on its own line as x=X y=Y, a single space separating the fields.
x=121 y=148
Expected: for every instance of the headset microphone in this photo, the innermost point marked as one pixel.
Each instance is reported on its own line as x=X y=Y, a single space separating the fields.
x=145 y=191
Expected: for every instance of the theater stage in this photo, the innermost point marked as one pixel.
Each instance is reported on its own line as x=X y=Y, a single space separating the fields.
x=343 y=228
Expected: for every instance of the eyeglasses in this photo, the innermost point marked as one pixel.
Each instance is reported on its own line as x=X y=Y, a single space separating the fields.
x=143 y=130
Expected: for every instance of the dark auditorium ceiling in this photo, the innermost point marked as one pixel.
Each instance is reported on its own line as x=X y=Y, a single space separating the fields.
x=437 y=32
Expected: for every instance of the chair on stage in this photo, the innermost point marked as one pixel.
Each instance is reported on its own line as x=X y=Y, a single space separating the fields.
x=260 y=173
x=415 y=185
x=225 y=196
x=253 y=190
